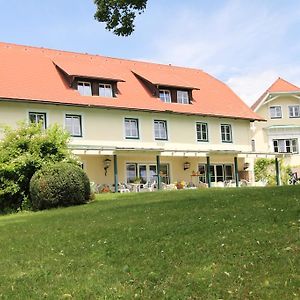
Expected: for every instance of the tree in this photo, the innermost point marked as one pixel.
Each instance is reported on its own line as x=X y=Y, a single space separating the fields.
x=23 y=151
x=119 y=15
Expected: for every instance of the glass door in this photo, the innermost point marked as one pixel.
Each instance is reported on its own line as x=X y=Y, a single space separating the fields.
x=212 y=173
x=131 y=172
x=152 y=173
x=228 y=172
x=202 y=172
x=146 y=172
x=142 y=173
x=219 y=173
x=164 y=173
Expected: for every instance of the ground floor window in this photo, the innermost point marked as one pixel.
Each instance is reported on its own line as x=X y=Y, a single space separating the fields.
x=146 y=172
x=218 y=172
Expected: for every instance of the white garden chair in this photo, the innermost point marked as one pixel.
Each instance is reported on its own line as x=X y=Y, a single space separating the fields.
x=149 y=186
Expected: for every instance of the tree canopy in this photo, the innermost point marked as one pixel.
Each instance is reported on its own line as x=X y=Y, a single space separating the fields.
x=119 y=15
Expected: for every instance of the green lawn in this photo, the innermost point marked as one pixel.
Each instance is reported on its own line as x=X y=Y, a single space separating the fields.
x=208 y=244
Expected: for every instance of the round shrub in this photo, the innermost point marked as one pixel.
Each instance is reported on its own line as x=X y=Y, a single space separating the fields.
x=60 y=184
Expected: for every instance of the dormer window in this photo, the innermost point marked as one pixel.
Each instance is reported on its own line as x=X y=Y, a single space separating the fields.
x=183 y=97
x=84 y=88
x=105 y=90
x=165 y=96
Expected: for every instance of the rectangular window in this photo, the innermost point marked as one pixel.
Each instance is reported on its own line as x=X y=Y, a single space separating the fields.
x=37 y=117
x=285 y=145
x=160 y=130
x=294 y=111
x=73 y=125
x=275 y=112
x=84 y=88
x=202 y=132
x=152 y=173
x=164 y=173
x=183 y=97
x=131 y=128
x=221 y=172
x=228 y=172
x=131 y=172
x=202 y=172
x=146 y=172
x=165 y=96
x=226 y=133
x=142 y=172
x=105 y=90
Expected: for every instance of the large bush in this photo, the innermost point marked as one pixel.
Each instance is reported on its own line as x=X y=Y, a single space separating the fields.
x=23 y=151
x=60 y=184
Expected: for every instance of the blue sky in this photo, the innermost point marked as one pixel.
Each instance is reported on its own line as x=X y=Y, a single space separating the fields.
x=246 y=44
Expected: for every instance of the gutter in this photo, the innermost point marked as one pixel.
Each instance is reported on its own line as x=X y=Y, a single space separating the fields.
x=39 y=101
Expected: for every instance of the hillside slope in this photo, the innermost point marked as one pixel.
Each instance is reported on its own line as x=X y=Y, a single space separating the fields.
x=209 y=244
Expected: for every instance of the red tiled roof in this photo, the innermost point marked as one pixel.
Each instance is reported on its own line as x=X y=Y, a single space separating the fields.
x=30 y=74
x=279 y=86
x=91 y=68
x=164 y=78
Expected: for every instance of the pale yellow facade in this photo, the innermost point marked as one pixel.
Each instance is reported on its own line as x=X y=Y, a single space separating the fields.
x=103 y=136
x=278 y=128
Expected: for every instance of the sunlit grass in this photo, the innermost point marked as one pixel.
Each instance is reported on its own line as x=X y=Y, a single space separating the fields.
x=208 y=244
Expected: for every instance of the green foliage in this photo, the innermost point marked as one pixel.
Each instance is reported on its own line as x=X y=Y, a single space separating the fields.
x=119 y=15
x=60 y=184
x=23 y=151
x=264 y=170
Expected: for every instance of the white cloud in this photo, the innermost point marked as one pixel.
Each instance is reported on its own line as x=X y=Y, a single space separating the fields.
x=245 y=44
x=249 y=87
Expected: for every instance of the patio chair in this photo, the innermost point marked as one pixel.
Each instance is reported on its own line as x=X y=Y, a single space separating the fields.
x=149 y=186
x=122 y=188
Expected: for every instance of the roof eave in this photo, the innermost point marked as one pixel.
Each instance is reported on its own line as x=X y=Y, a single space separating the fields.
x=57 y=102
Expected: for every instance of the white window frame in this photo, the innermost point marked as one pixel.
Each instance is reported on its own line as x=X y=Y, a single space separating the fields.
x=160 y=130
x=149 y=176
x=294 y=111
x=107 y=88
x=214 y=177
x=226 y=134
x=129 y=131
x=165 y=96
x=86 y=88
x=183 y=97
x=286 y=145
x=275 y=112
x=201 y=133
x=72 y=130
x=36 y=121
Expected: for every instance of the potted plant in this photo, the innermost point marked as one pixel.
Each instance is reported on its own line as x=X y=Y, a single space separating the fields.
x=137 y=180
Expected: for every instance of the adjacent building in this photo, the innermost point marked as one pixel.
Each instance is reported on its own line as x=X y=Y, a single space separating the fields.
x=131 y=119
x=280 y=107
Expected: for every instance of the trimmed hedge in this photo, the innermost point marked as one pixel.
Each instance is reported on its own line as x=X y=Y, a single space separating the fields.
x=60 y=184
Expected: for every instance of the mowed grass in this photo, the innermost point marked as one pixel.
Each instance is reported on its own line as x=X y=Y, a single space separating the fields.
x=207 y=244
